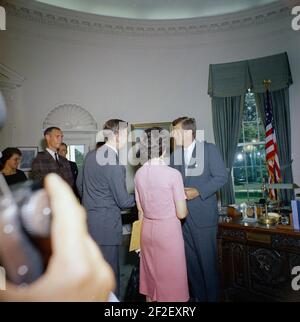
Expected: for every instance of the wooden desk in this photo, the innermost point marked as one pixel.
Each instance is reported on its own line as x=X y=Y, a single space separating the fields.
x=256 y=262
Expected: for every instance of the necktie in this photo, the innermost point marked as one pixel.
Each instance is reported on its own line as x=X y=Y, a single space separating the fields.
x=56 y=159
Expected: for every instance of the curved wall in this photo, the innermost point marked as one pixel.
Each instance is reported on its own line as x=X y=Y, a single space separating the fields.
x=141 y=77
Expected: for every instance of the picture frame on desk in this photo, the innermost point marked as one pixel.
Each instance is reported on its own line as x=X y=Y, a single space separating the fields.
x=28 y=155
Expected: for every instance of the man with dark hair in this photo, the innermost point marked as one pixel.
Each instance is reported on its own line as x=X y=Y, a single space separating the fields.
x=200 y=226
x=105 y=193
x=50 y=129
x=49 y=161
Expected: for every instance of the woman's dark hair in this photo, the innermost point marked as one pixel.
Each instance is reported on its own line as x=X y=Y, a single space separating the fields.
x=7 y=154
x=154 y=143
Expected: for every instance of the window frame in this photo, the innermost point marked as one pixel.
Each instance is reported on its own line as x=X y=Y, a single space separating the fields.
x=249 y=187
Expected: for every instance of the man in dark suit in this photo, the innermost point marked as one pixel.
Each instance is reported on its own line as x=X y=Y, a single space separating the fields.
x=204 y=173
x=63 y=151
x=49 y=161
x=105 y=193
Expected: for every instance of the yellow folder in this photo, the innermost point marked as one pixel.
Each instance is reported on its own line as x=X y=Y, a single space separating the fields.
x=135 y=242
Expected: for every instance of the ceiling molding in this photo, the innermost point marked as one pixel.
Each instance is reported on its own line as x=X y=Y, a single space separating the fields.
x=45 y=14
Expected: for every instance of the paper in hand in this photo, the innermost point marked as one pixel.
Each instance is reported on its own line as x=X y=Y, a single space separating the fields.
x=135 y=236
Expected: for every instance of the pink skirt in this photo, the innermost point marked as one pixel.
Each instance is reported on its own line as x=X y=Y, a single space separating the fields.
x=163 y=272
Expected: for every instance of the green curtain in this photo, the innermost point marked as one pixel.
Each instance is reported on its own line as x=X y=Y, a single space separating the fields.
x=275 y=68
x=227 y=85
x=282 y=124
x=228 y=80
x=234 y=79
x=227 y=113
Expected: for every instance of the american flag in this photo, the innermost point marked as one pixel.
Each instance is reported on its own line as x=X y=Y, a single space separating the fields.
x=271 y=147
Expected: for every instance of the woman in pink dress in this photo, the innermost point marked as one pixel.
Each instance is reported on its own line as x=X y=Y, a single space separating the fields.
x=161 y=203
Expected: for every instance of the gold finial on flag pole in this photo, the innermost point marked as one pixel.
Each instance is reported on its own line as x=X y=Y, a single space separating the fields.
x=267 y=84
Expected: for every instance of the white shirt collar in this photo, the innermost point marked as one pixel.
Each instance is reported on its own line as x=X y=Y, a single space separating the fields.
x=112 y=147
x=190 y=147
x=188 y=153
x=52 y=153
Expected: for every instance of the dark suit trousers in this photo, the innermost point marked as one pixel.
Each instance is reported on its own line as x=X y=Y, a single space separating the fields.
x=111 y=255
x=201 y=256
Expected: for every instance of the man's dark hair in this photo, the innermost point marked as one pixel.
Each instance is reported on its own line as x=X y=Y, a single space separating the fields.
x=50 y=129
x=179 y=120
x=99 y=144
x=112 y=126
x=64 y=144
x=187 y=124
x=7 y=154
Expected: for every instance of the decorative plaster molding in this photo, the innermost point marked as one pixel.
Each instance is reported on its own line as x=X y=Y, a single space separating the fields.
x=9 y=78
x=45 y=14
x=71 y=117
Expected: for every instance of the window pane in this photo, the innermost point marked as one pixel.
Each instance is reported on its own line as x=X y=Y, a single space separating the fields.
x=262 y=133
x=252 y=174
x=255 y=155
x=250 y=113
x=239 y=175
x=260 y=155
x=241 y=139
x=239 y=160
x=258 y=175
x=255 y=195
x=76 y=154
x=265 y=173
x=79 y=155
x=251 y=132
x=241 y=194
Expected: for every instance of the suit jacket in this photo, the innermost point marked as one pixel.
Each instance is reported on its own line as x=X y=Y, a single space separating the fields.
x=203 y=209
x=104 y=195
x=74 y=170
x=44 y=164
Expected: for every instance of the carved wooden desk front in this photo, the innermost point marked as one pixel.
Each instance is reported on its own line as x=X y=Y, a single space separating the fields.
x=256 y=262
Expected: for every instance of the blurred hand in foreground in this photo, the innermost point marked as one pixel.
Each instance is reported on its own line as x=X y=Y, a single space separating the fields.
x=77 y=270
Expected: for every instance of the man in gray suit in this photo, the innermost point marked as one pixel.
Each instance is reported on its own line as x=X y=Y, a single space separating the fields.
x=204 y=173
x=105 y=193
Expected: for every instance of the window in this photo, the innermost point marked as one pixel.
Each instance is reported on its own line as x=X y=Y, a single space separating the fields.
x=76 y=154
x=249 y=164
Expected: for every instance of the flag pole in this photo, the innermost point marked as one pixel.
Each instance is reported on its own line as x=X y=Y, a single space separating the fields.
x=267 y=84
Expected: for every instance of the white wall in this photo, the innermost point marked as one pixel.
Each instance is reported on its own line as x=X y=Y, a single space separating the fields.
x=136 y=78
